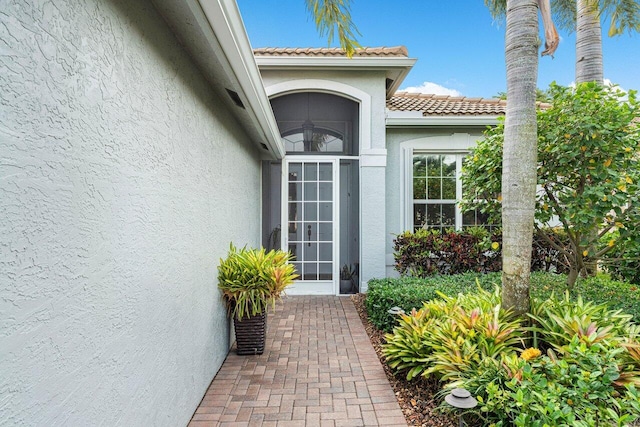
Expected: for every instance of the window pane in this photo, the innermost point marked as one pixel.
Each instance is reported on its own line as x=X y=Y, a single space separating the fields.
x=310 y=211
x=326 y=211
x=326 y=172
x=469 y=218
x=310 y=271
x=310 y=172
x=419 y=188
x=433 y=189
x=295 y=210
x=434 y=214
x=325 y=233
x=328 y=143
x=449 y=188
x=433 y=165
x=298 y=267
x=449 y=215
x=449 y=165
x=324 y=271
x=296 y=250
x=295 y=191
x=326 y=190
x=311 y=191
x=325 y=252
x=419 y=214
x=295 y=231
x=310 y=252
x=419 y=166
x=295 y=172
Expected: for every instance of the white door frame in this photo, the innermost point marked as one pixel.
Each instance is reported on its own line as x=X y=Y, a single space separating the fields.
x=314 y=287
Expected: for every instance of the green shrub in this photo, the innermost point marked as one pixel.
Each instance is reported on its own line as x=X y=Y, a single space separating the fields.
x=410 y=292
x=575 y=388
x=425 y=253
x=599 y=289
x=623 y=261
x=451 y=337
x=428 y=252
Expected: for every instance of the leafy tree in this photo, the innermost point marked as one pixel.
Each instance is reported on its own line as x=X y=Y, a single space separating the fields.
x=587 y=171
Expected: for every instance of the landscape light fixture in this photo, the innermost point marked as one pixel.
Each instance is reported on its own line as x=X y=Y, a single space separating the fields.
x=460 y=399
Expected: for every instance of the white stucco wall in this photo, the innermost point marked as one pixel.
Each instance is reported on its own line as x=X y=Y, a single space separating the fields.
x=372 y=151
x=122 y=182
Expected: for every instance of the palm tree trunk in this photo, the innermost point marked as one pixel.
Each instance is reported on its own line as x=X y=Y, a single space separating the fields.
x=589 y=65
x=520 y=147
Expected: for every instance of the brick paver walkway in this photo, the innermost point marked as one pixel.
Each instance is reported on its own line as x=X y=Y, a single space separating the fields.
x=318 y=369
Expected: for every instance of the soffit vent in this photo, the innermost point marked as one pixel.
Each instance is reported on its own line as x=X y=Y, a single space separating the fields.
x=388 y=83
x=235 y=98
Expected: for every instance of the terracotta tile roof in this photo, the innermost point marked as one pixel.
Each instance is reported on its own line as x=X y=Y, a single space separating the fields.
x=400 y=51
x=444 y=105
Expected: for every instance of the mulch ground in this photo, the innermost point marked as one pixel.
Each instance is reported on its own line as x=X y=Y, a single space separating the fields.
x=417 y=397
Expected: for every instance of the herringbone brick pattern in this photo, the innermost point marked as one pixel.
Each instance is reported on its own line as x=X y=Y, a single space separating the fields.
x=318 y=369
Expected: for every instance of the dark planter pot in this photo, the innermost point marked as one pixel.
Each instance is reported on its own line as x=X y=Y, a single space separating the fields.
x=251 y=334
x=345 y=286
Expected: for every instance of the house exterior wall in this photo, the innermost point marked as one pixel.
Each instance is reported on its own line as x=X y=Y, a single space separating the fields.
x=398 y=140
x=372 y=156
x=123 y=182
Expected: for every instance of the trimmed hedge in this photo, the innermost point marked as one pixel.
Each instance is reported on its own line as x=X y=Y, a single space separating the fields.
x=410 y=292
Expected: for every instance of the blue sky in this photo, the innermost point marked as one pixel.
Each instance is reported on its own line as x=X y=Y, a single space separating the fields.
x=459 y=47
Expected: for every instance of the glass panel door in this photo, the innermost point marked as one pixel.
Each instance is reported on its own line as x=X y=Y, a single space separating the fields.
x=309 y=216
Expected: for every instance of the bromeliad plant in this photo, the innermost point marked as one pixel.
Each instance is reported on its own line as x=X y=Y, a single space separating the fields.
x=558 y=321
x=252 y=279
x=450 y=337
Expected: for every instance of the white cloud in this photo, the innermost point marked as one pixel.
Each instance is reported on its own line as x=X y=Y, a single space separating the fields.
x=431 y=88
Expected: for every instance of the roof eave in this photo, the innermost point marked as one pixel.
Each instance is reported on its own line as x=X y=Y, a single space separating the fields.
x=396 y=67
x=441 y=121
x=222 y=36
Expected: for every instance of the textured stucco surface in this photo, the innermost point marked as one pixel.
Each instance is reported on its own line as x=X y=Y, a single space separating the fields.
x=122 y=182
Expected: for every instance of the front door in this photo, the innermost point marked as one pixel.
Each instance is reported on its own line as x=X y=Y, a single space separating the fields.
x=310 y=207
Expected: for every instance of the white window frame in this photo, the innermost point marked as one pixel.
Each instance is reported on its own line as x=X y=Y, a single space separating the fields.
x=412 y=202
x=458 y=144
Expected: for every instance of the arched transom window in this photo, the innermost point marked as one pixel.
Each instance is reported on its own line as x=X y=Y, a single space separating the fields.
x=317 y=123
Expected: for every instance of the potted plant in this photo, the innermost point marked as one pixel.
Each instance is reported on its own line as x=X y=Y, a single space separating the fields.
x=251 y=280
x=347 y=276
